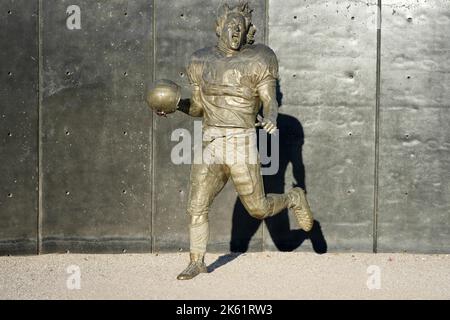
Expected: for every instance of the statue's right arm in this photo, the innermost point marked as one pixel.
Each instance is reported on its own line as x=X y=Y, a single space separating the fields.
x=192 y=106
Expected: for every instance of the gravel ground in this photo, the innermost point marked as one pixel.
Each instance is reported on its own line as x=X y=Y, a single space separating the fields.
x=268 y=275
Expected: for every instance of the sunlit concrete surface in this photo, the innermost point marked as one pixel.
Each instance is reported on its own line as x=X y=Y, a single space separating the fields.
x=266 y=275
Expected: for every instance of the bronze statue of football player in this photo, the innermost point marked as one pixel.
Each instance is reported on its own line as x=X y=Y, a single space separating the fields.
x=230 y=82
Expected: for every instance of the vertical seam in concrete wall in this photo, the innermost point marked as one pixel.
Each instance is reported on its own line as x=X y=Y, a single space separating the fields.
x=153 y=204
x=266 y=25
x=266 y=42
x=377 y=131
x=39 y=135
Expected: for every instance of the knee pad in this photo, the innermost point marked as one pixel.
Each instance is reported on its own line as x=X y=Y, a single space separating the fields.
x=197 y=209
x=258 y=212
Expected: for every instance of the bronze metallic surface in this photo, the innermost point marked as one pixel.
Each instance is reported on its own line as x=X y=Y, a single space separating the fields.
x=164 y=97
x=177 y=38
x=196 y=266
x=231 y=82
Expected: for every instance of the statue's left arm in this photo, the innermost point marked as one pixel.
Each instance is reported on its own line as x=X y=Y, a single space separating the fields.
x=267 y=87
x=268 y=95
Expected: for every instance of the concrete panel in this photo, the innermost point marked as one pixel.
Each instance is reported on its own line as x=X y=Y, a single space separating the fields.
x=96 y=127
x=327 y=56
x=182 y=27
x=18 y=126
x=414 y=202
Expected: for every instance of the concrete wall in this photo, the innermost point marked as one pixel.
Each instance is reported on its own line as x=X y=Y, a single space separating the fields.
x=86 y=167
x=327 y=53
x=414 y=194
x=19 y=61
x=95 y=129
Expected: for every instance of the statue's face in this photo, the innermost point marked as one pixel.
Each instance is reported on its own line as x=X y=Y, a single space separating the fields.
x=233 y=32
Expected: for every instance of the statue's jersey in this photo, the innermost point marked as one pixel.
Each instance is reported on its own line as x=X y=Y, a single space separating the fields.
x=229 y=84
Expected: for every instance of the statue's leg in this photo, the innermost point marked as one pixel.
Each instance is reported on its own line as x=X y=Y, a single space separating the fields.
x=249 y=185
x=207 y=180
x=248 y=182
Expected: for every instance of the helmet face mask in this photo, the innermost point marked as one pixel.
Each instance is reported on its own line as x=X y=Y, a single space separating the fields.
x=164 y=97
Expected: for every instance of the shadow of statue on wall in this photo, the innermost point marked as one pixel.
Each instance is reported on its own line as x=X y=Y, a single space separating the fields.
x=284 y=238
x=244 y=226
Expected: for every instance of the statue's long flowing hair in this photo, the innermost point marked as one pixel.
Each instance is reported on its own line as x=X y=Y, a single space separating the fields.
x=242 y=9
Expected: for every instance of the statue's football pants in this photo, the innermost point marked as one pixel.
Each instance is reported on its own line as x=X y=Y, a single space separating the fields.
x=208 y=179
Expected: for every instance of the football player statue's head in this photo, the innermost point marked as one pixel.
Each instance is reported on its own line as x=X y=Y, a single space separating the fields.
x=234 y=27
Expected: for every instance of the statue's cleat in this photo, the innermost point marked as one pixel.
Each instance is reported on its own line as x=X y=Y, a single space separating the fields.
x=301 y=209
x=195 y=267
